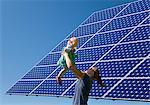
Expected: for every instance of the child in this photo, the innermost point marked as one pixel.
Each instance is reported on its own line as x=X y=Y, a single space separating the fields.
x=70 y=49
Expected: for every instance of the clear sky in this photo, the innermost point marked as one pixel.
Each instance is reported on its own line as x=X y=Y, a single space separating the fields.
x=29 y=29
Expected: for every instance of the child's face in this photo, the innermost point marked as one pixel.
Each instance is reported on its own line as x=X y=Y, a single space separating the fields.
x=73 y=41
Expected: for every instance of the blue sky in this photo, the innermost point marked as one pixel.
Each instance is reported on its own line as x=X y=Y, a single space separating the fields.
x=29 y=29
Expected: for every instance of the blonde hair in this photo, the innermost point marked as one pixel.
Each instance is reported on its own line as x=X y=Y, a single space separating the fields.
x=75 y=40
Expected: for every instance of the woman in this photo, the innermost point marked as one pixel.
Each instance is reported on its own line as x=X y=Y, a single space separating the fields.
x=84 y=83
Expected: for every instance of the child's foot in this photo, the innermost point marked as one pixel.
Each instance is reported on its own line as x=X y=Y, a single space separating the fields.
x=58 y=79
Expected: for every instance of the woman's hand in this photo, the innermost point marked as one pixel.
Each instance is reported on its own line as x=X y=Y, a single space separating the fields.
x=64 y=52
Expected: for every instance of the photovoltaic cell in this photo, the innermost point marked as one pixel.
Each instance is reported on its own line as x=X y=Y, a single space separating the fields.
x=142 y=70
x=69 y=74
x=116 y=68
x=88 y=55
x=135 y=7
x=103 y=15
x=116 y=41
x=141 y=33
x=107 y=38
x=133 y=89
x=23 y=87
x=99 y=91
x=87 y=29
x=52 y=88
x=147 y=21
x=132 y=50
x=39 y=72
x=124 y=22
x=50 y=59
x=60 y=46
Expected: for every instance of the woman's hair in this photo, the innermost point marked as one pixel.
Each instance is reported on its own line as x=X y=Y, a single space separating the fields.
x=97 y=76
x=96 y=73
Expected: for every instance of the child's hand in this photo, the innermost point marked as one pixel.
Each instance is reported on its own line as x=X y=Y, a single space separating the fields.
x=64 y=52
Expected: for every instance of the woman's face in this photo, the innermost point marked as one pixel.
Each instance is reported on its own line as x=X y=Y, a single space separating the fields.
x=91 y=72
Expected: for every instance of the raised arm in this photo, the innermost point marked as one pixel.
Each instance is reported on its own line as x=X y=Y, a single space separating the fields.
x=77 y=72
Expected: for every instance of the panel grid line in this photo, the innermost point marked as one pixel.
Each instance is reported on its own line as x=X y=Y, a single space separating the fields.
x=117 y=43
x=69 y=88
x=124 y=59
x=95 y=34
x=51 y=50
x=124 y=77
x=121 y=40
x=103 y=27
x=79 y=48
x=76 y=78
x=108 y=45
x=105 y=33
x=145 y=100
x=117 y=6
x=76 y=51
x=115 y=18
x=44 y=80
x=112 y=30
x=130 y=42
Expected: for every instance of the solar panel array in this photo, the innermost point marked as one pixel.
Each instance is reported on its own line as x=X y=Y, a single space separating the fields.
x=116 y=40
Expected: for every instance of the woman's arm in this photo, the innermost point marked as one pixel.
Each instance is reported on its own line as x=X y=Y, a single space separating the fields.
x=78 y=73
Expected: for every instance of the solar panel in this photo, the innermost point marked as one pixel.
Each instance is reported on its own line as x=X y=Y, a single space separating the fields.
x=116 y=40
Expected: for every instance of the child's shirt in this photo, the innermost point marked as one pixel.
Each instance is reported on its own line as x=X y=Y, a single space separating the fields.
x=71 y=54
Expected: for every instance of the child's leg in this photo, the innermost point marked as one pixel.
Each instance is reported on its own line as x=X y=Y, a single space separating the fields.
x=61 y=73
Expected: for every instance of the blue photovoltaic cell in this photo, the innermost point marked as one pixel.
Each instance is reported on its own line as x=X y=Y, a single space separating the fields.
x=132 y=50
x=96 y=90
x=103 y=15
x=70 y=92
x=146 y=21
x=124 y=22
x=99 y=91
x=52 y=88
x=81 y=41
x=141 y=33
x=107 y=38
x=23 y=87
x=60 y=46
x=142 y=70
x=88 y=55
x=69 y=74
x=87 y=29
x=39 y=72
x=116 y=41
x=132 y=89
x=116 y=68
x=50 y=59
x=136 y=7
